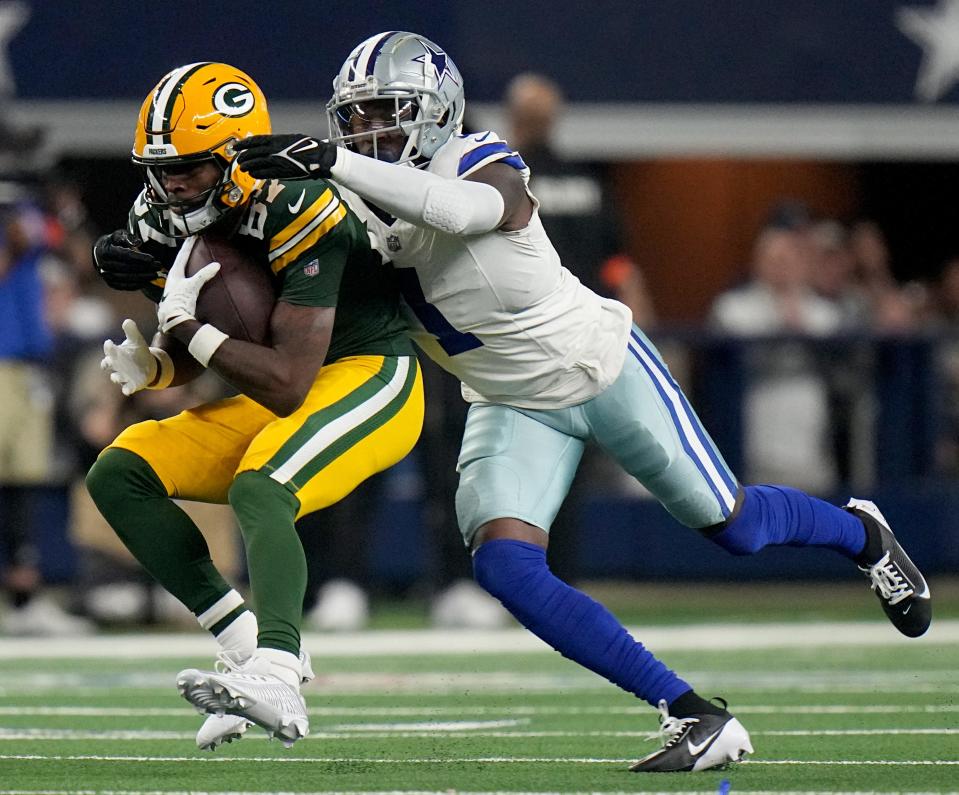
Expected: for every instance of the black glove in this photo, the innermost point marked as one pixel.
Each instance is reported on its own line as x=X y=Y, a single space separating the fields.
x=122 y=266
x=285 y=156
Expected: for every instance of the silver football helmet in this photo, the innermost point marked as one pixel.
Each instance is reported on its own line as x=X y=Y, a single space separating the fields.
x=398 y=97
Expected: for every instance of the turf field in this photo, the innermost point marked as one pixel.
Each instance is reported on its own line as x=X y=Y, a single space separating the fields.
x=846 y=706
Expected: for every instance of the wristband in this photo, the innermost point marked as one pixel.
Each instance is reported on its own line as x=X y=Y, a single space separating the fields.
x=205 y=343
x=164 y=375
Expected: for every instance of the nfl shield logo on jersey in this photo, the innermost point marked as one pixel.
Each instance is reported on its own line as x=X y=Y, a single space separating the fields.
x=312 y=267
x=393 y=243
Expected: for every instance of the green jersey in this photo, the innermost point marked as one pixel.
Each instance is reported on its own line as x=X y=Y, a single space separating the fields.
x=318 y=253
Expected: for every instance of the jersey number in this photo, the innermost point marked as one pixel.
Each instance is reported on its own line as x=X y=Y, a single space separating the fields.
x=255 y=221
x=450 y=340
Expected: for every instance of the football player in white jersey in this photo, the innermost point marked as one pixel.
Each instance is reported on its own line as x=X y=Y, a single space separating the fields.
x=546 y=365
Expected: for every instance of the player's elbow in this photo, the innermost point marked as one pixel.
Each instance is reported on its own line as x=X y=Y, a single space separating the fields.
x=288 y=402
x=284 y=408
x=463 y=208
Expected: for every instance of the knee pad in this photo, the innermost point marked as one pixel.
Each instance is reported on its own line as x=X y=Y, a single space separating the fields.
x=259 y=501
x=747 y=532
x=117 y=474
x=504 y=568
x=741 y=541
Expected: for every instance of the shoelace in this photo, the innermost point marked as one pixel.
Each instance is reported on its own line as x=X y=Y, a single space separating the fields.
x=280 y=694
x=888 y=580
x=671 y=729
x=228 y=662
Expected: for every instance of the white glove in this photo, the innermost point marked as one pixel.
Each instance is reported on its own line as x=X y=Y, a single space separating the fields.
x=180 y=293
x=132 y=362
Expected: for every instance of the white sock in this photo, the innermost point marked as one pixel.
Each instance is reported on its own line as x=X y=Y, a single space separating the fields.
x=283 y=665
x=240 y=635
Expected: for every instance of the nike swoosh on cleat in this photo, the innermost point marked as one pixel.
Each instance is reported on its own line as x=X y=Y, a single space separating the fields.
x=696 y=749
x=294 y=207
x=907 y=610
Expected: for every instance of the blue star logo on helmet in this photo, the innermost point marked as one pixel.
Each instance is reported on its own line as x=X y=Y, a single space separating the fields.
x=439 y=62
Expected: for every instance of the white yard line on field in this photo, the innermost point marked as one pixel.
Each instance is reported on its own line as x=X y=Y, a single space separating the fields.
x=25 y=734
x=345 y=684
x=705 y=637
x=512 y=710
x=504 y=760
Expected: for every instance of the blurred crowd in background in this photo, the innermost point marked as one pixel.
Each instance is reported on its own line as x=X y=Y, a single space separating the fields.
x=809 y=411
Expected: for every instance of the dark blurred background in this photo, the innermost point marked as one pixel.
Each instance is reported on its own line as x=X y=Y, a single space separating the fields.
x=769 y=185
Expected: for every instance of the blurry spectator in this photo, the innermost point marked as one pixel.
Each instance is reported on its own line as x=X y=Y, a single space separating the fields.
x=833 y=274
x=78 y=324
x=26 y=424
x=579 y=215
x=75 y=233
x=786 y=403
x=947 y=297
x=576 y=205
x=626 y=281
x=946 y=320
x=779 y=297
x=871 y=254
x=891 y=307
x=72 y=236
x=847 y=367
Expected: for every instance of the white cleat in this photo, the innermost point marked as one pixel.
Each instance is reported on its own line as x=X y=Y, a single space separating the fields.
x=219 y=729
x=252 y=691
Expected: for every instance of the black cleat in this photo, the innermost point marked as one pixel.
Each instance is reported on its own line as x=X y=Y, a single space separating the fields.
x=698 y=742
x=897 y=581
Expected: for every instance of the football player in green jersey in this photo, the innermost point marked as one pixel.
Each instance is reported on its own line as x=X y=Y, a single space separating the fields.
x=335 y=397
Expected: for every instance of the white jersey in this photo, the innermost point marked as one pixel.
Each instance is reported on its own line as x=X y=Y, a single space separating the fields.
x=498 y=310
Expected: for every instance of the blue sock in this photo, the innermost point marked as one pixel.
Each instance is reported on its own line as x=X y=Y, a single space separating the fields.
x=568 y=620
x=781 y=515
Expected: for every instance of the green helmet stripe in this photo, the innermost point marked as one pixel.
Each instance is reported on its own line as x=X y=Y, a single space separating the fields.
x=165 y=100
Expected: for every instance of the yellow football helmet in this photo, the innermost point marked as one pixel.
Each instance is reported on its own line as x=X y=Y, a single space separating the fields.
x=193 y=115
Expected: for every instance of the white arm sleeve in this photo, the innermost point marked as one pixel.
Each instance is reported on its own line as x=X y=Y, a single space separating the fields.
x=455 y=206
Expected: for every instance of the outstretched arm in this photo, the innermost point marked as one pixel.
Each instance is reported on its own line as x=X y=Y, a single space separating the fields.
x=490 y=199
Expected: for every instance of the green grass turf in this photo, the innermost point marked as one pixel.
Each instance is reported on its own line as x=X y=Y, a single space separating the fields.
x=658 y=604
x=530 y=722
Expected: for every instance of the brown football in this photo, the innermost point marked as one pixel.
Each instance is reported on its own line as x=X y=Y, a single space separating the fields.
x=239 y=299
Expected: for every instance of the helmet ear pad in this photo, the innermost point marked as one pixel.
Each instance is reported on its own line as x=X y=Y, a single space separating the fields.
x=433 y=136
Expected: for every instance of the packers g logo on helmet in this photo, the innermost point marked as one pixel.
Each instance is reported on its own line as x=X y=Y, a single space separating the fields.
x=193 y=115
x=234 y=99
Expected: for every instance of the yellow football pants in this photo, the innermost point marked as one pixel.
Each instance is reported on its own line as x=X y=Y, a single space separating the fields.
x=362 y=415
